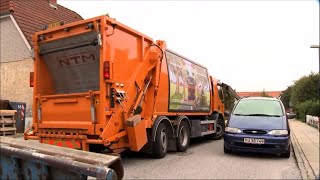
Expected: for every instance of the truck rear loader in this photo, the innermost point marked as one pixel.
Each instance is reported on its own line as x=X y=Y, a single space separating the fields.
x=102 y=86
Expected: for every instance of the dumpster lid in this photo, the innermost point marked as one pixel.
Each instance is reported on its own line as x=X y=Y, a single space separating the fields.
x=111 y=161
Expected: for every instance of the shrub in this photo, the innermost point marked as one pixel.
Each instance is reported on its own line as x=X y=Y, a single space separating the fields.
x=315 y=109
x=304 y=89
x=285 y=97
x=308 y=107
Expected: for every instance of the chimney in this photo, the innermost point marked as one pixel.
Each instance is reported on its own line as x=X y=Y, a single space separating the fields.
x=53 y=3
x=11 y=6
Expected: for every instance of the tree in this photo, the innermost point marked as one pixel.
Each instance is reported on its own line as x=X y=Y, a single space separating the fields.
x=264 y=94
x=285 y=97
x=304 y=96
x=306 y=88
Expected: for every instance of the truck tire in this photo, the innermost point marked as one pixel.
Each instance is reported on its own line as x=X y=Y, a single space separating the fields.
x=160 y=146
x=220 y=129
x=183 y=138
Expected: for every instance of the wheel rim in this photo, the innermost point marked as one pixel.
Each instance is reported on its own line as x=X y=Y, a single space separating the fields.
x=163 y=140
x=183 y=136
x=219 y=130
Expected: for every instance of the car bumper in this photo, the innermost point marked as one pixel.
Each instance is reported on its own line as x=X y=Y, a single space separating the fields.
x=272 y=144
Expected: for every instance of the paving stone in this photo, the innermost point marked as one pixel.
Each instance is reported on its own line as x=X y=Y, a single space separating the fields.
x=307 y=138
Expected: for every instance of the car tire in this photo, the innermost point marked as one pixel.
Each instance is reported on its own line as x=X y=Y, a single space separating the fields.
x=286 y=154
x=226 y=150
x=183 y=138
x=220 y=130
x=160 y=146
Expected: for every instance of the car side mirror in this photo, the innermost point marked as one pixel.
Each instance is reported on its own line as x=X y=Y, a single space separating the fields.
x=291 y=115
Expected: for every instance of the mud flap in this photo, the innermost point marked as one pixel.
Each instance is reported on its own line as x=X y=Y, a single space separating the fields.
x=172 y=144
x=137 y=133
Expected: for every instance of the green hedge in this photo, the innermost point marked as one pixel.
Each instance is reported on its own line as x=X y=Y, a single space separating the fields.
x=315 y=109
x=309 y=107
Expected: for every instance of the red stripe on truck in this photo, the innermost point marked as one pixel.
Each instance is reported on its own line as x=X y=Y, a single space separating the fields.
x=59 y=143
x=69 y=144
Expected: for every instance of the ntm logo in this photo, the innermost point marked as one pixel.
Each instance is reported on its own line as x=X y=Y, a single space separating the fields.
x=78 y=59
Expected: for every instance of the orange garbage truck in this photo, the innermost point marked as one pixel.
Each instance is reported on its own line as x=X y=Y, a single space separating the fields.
x=102 y=86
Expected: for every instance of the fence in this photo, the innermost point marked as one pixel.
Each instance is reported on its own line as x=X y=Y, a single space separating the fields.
x=313 y=121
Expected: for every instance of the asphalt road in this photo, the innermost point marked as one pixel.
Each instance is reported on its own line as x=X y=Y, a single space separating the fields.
x=206 y=160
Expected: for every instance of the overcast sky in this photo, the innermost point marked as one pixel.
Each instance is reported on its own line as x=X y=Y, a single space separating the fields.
x=249 y=45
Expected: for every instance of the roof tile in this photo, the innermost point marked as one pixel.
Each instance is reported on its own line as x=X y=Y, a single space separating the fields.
x=258 y=93
x=32 y=15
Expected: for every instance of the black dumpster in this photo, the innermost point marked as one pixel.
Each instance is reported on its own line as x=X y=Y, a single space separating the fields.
x=4 y=104
x=20 y=107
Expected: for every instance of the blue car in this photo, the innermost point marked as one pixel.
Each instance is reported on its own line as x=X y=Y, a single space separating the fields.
x=258 y=124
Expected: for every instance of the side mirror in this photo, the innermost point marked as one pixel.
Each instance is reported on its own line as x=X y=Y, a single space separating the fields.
x=291 y=115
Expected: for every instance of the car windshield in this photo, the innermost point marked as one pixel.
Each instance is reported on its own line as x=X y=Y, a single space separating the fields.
x=258 y=107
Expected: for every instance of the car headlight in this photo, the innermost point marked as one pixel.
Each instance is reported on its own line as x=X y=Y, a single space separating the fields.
x=232 y=130
x=278 y=132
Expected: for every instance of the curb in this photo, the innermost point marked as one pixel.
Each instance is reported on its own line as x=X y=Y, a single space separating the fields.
x=305 y=169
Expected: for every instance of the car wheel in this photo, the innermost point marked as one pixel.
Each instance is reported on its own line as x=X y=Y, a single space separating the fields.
x=183 y=138
x=286 y=154
x=160 y=145
x=226 y=150
x=220 y=129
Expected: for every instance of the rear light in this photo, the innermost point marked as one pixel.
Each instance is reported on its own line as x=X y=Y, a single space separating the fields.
x=31 y=79
x=106 y=70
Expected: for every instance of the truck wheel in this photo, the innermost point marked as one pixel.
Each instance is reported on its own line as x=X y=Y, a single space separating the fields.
x=183 y=138
x=220 y=129
x=160 y=146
